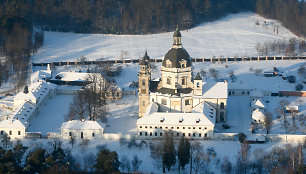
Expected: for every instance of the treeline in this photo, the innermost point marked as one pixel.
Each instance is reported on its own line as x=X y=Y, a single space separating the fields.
x=292 y=13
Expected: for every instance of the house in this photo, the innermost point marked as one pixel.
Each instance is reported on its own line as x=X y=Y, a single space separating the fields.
x=42 y=75
x=291 y=109
x=238 y=89
x=13 y=128
x=197 y=124
x=81 y=129
x=88 y=80
x=258 y=116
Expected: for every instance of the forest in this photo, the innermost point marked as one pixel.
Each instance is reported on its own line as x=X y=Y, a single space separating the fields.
x=22 y=22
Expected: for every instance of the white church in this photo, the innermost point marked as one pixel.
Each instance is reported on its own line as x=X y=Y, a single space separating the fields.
x=177 y=101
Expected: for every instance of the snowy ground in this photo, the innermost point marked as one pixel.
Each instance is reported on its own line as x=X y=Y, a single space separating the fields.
x=123 y=115
x=52 y=115
x=234 y=35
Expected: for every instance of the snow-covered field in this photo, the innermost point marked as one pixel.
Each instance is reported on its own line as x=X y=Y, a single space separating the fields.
x=52 y=115
x=234 y=35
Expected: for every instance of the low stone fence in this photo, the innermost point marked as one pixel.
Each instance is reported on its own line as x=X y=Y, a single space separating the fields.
x=66 y=91
x=285 y=138
x=51 y=135
x=33 y=135
x=225 y=136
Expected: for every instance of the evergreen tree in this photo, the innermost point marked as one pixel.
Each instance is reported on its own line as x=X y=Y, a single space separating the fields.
x=169 y=154
x=183 y=152
x=107 y=162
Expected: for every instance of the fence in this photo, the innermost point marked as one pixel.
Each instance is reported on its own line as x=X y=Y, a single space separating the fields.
x=220 y=59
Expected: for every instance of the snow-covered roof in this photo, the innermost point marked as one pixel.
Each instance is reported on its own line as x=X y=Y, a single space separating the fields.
x=39 y=75
x=23 y=113
x=78 y=76
x=238 y=85
x=11 y=123
x=214 y=89
x=152 y=107
x=292 y=108
x=258 y=115
x=84 y=125
x=37 y=90
x=257 y=104
x=203 y=116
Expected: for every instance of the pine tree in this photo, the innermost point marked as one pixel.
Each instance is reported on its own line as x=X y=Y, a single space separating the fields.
x=183 y=152
x=107 y=162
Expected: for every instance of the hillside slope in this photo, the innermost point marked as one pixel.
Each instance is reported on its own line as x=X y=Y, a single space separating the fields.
x=234 y=35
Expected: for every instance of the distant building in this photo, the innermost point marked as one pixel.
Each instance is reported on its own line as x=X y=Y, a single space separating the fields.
x=13 y=128
x=81 y=129
x=258 y=115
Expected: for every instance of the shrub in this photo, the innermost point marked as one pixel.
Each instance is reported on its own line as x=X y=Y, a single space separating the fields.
x=299 y=87
x=226 y=126
x=291 y=79
x=241 y=137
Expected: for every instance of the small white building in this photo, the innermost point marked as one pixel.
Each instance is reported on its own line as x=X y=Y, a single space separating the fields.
x=258 y=116
x=238 y=89
x=85 y=129
x=41 y=75
x=198 y=124
x=13 y=128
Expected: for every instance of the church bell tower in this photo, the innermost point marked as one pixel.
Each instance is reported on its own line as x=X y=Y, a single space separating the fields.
x=144 y=77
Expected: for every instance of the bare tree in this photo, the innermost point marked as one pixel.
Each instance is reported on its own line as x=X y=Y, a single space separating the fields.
x=243 y=158
x=78 y=108
x=268 y=122
x=125 y=164
x=136 y=162
x=214 y=73
x=226 y=166
x=72 y=140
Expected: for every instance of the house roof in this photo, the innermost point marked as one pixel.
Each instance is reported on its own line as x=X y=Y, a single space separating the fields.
x=256 y=93
x=258 y=104
x=39 y=75
x=203 y=116
x=258 y=114
x=145 y=60
x=78 y=76
x=198 y=77
x=23 y=113
x=214 y=89
x=11 y=123
x=78 y=124
x=238 y=85
x=37 y=90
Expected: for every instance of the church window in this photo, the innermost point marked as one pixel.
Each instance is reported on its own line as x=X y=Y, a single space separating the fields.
x=222 y=105
x=146 y=126
x=81 y=134
x=189 y=134
x=140 y=126
x=10 y=132
x=183 y=134
x=172 y=127
x=187 y=102
x=161 y=134
x=155 y=127
x=143 y=82
x=152 y=99
x=70 y=134
x=193 y=134
x=143 y=103
x=200 y=135
x=183 y=64
x=184 y=81
x=2 y=132
x=150 y=133
x=140 y=133
x=189 y=127
x=143 y=91
x=161 y=127
x=164 y=102
x=93 y=134
x=168 y=80
x=183 y=127
x=199 y=127
x=177 y=134
x=18 y=132
x=198 y=84
x=156 y=134
x=205 y=135
x=146 y=133
x=150 y=127
x=178 y=128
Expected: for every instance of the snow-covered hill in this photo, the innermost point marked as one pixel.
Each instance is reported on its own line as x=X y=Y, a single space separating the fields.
x=234 y=35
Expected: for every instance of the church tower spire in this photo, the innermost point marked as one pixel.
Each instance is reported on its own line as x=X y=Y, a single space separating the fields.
x=177 y=42
x=144 y=77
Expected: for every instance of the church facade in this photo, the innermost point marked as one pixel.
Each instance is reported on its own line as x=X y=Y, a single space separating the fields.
x=176 y=91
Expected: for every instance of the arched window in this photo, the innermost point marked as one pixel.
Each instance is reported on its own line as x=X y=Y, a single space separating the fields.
x=198 y=84
x=168 y=80
x=221 y=105
x=184 y=81
x=143 y=82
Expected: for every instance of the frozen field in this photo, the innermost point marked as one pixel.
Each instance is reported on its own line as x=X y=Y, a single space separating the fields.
x=52 y=115
x=234 y=35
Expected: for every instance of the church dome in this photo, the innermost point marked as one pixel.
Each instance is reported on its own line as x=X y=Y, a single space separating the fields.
x=176 y=56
